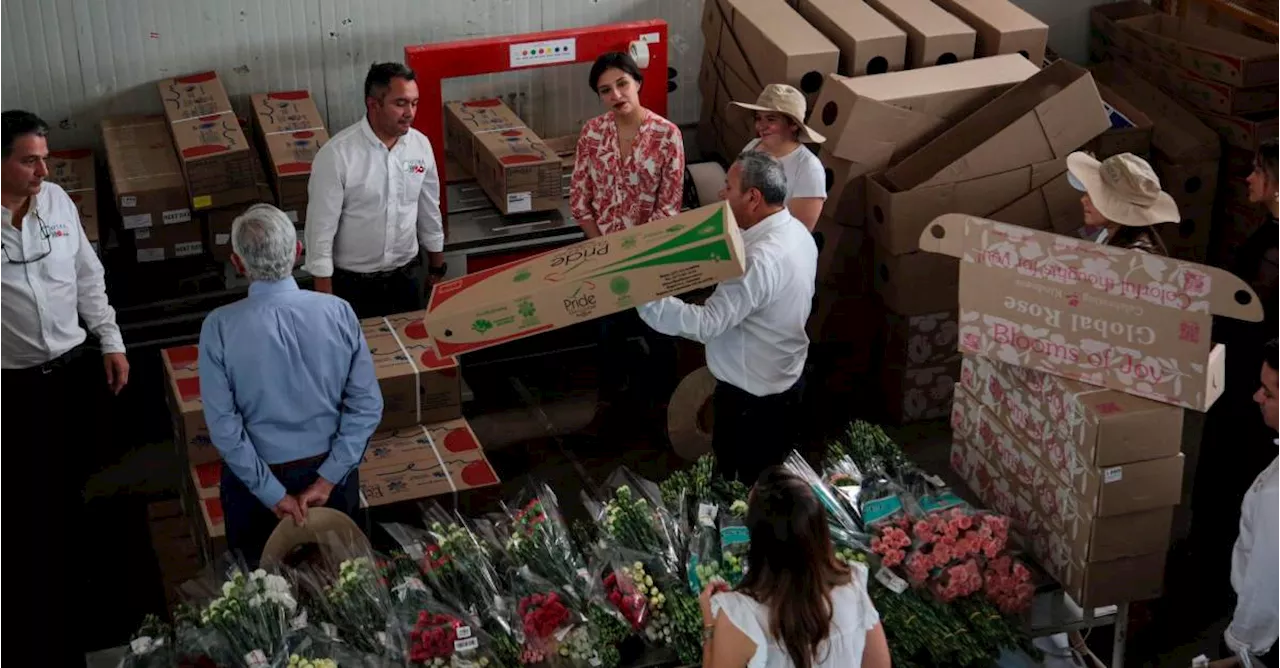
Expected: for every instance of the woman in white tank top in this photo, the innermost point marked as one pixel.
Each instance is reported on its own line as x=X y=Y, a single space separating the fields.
x=798 y=606
x=781 y=132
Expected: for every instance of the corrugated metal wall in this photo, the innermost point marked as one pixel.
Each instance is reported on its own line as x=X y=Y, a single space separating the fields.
x=77 y=61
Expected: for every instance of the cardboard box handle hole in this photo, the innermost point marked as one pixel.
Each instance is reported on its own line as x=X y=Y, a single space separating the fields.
x=830 y=111
x=811 y=82
x=946 y=59
x=938 y=231
x=878 y=65
x=878 y=214
x=1243 y=297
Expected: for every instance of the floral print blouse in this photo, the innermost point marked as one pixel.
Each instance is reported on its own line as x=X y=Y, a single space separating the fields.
x=618 y=193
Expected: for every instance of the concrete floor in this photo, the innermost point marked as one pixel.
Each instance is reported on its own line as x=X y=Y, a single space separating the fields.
x=529 y=413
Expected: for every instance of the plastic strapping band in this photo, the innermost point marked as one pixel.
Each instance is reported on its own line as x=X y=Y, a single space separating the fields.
x=440 y=459
x=417 y=381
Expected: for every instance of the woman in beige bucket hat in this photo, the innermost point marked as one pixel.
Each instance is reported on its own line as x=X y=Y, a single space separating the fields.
x=781 y=132
x=1122 y=200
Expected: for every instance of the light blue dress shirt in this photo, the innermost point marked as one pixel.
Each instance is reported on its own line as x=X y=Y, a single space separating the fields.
x=285 y=375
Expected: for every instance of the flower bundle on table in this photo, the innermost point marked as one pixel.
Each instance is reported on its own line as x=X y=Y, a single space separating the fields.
x=252 y=616
x=1008 y=584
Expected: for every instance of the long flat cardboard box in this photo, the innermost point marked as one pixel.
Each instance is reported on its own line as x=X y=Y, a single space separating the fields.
x=423 y=461
x=1130 y=130
x=934 y=37
x=1099 y=314
x=869 y=43
x=1213 y=53
x=779 y=44
x=1044 y=118
x=1054 y=206
x=1002 y=27
x=1106 y=37
x=896 y=219
x=907 y=108
x=586 y=280
x=1176 y=133
x=915 y=283
x=1246 y=131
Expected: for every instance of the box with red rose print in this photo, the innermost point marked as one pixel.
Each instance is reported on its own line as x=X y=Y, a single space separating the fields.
x=1098 y=559
x=182 y=375
x=422 y=461
x=202 y=505
x=1099 y=427
x=916 y=393
x=418 y=385
x=1123 y=319
x=915 y=340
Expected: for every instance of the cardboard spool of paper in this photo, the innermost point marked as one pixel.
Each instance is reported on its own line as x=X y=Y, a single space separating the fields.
x=1123 y=319
x=690 y=418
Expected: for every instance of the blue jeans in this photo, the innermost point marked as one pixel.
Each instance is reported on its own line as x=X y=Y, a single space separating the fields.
x=249 y=523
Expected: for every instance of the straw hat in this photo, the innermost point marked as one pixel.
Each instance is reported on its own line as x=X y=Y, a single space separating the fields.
x=320 y=523
x=783 y=99
x=1123 y=188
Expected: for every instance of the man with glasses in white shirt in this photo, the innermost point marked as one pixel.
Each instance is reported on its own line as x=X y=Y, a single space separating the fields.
x=374 y=201
x=53 y=378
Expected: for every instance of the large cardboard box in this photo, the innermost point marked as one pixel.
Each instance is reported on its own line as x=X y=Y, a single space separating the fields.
x=1099 y=560
x=779 y=45
x=869 y=43
x=1054 y=206
x=1213 y=53
x=518 y=171
x=218 y=222
x=1176 y=133
x=919 y=340
x=916 y=283
x=1002 y=27
x=1246 y=131
x=76 y=172
x=418 y=385
x=146 y=178
x=907 y=108
x=896 y=218
x=1189 y=238
x=465 y=120
x=1106 y=38
x=212 y=147
x=723 y=46
x=1044 y=118
x=1074 y=424
x=586 y=280
x=1130 y=130
x=1206 y=94
x=423 y=461
x=917 y=393
x=934 y=37
x=292 y=131
x=182 y=375
x=1103 y=315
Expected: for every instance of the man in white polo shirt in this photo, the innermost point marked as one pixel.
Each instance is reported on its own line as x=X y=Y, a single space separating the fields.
x=375 y=202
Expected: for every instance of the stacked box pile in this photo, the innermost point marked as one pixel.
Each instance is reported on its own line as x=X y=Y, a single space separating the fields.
x=1079 y=362
x=76 y=172
x=422 y=448
x=1225 y=80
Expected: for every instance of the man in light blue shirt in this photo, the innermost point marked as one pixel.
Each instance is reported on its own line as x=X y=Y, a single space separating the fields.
x=289 y=390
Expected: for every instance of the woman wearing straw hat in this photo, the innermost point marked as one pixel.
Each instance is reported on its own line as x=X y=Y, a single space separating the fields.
x=1122 y=200
x=781 y=132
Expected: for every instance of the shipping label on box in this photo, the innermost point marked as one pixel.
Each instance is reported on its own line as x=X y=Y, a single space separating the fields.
x=1044 y=118
x=1107 y=316
x=1213 y=53
x=518 y=172
x=586 y=280
x=423 y=461
x=418 y=385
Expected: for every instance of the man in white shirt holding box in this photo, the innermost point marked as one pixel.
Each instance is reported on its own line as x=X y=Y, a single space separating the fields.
x=374 y=202
x=53 y=375
x=754 y=326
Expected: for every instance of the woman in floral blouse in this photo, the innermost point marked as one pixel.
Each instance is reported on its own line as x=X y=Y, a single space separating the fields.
x=630 y=161
x=629 y=170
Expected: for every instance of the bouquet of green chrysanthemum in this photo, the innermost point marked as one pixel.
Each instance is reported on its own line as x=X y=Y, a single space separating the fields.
x=254 y=616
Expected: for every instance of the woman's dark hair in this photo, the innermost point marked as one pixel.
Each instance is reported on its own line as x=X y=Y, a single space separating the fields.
x=614 y=60
x=18 y=123
x=1265 y=159
x=793 y=565
x=1270 y=355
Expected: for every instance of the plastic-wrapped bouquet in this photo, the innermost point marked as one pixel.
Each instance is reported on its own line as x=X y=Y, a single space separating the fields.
x=151 y=646
x=253 y=616
x=352 y=603
x=537 y=539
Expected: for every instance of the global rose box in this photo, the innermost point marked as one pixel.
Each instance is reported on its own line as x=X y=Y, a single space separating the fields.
x=586 y=280
x=1107 y=316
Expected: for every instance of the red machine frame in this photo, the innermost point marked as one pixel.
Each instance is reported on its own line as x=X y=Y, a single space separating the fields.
x=433 y=63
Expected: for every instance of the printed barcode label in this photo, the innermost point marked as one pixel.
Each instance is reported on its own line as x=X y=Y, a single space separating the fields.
x=299 y=622
x=256 y=658
x=142 y=233
x=222 y=239
x=891 y=580
x=1113 y=474
x=128 y=202
x=188 y=249
x=136 y=221
x=707 y=514
x=464 y=632
x=466 y=645
x=519 y=202
x=174 y=216
x=150 y=254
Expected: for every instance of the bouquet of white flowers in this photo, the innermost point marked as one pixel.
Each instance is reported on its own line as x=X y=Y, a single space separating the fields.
x=254 y=617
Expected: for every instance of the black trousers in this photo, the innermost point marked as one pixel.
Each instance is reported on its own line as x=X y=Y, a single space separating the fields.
x=622 y=372
x=50 y=423
x=753 y=433
x=249 y=523
x=382 y=293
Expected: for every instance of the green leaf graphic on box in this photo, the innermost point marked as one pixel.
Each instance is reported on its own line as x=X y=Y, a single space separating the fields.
x=481 y=326
x=716 y=251
x=620 y=285
x=712 y=226
x=526 y=309
x=629 y=242
x=522 y=275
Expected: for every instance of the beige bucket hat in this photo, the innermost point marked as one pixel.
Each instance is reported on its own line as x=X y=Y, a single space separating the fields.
x=1123 y=188
x=323 y=525
x=784 y=99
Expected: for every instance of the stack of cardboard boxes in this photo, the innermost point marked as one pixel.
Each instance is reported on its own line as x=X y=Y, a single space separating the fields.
x=75 y=171
x=1080 y=361
x=423 y=446
x=1225 y=80
x=517 y=170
